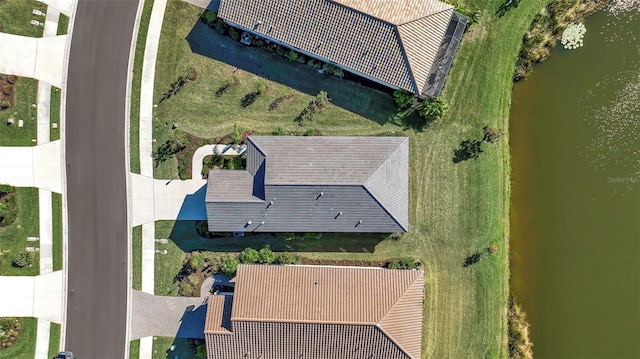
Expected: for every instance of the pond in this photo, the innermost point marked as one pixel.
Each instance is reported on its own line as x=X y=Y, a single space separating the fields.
x=575 y=207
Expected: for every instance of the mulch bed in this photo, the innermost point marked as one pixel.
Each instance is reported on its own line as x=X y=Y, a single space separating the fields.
x=9 y=336
x=6 y=89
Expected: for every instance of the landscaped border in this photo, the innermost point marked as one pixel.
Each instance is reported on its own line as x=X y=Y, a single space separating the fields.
x=25 y=346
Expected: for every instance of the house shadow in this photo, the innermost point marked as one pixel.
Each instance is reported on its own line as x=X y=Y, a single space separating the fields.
x=192 y=322
x=193 y=207
x=368 y=102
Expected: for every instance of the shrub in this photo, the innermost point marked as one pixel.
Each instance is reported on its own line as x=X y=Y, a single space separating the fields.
x=4 y=209
x=266 y=256
x=292 y=55
x=22 y=259
x=286 y=258
x=261 y=87
x=195 y=262
x=201 y=351
x=403 y=263
x=279 y=132
x=249 y=256
x=11 y=79
x=234 y=34
x=4 y=104
x=338 y=72
x=404 y=98
x=7 y=90
x=491 y=134
x=229 y=265
x=7 y=324
x=432 y=109
x=328 y=68
x=520 y=346
x=209 y=16
x=301 y=59
x=281 y=50
x=288 y=236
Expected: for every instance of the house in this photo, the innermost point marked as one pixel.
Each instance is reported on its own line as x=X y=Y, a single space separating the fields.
x=401 y=44
x=317 y=312
x=313 y=184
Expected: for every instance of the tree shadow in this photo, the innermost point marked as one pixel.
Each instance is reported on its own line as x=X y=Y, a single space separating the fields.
x=468 y=150
x=365 y=101
x=472 y=259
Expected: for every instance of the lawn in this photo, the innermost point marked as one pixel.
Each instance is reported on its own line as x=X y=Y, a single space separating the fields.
x=63 y=24
x=136 y=254
x=456 y=208
x=134 y=118
x=162 y=348
x=56 y=203
x=13 y=238
x=54 y=339
x=16 y=14
x=134 y=349
x=25 y=346
x=25 y=94
x=54 y=113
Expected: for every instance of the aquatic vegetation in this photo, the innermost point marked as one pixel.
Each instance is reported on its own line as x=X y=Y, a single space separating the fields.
x=618 y=6
x=572 y=36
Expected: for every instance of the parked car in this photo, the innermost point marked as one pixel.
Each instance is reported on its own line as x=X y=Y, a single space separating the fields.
x=64 y=355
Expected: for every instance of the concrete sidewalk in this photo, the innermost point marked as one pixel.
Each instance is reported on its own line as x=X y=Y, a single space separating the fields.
x=37 y=166
x=39 y=296
x=64 y=6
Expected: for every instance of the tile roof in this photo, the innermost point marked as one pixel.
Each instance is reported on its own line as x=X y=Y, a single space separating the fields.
x=337 y=310
x=392 y=41
x=314 y=184
x=218 y=320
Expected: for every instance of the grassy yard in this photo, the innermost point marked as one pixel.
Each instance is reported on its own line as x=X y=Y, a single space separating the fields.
x=13 y=238
x=63 y=25
x=16 y=14
x=54 y=339
x=134 y=349
x=25 y=94
x=54 y=113
x=136 y=254
x=456 y=209
x=134 y=118
x=25 y=346
x=162 y=348
x=56 y=203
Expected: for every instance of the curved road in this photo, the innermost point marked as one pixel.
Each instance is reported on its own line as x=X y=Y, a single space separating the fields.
x=96 y=184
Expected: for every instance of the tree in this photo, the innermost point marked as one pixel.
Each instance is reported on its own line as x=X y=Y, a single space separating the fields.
x=195 y=262
x=249 y=256
x=491 y=134
x=404 y=99
x=229 y=265
x=285 y=258
x=432 y=109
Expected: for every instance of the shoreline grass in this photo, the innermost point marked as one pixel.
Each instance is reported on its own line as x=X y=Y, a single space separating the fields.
x=54 y=113
x=136 y=254
x=16 y=14
x=25 y=346
x=25 y=94
x=13 y=238
x=456 y=209
x=56 y=203
x=54 y=339
x=134 y=117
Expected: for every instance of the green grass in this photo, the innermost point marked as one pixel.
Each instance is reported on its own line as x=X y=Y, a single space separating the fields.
x=166 y=265
x=456 y=209
x=162 y=345
x=13 y=238
x=134 y=349
x=54 y=339
x=136 y=259
x=16 y=14
x=54 y=113
x=56 y=203
x=63 y=24
x=134 y=119
x=25 y=346
x=25 y=94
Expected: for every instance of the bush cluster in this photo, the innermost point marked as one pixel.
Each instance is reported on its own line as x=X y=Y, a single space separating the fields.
x=22 y=259
x=265 y=255
x=403 y=263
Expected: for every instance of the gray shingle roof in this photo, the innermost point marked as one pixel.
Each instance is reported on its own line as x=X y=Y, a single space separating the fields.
x=318 y=312
x=392 y=41
x=314 y=184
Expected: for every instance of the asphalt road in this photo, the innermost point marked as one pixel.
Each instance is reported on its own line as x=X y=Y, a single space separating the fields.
x=96 y=183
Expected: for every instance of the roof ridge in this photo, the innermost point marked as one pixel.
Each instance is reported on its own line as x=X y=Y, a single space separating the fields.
x=418 y=281
x=422 y=17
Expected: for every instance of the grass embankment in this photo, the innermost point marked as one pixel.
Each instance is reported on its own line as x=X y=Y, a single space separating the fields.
x=547 y=28
x=13 y=238
x=54 y=339
x=16 y=14
x=63 y=24
x=25 y=346
x=136 y=258
x=134 y=349
x=134 y=118
x=25 y=93
x=56 y=203
x=54 y=113
x=457 y=209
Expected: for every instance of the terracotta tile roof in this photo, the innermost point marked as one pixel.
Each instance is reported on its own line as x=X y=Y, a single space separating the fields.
x=218 y=319
x=340 y=312
x=394 y=42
